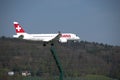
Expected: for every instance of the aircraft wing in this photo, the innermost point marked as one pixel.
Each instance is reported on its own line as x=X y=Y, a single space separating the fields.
x=57 y=37
x=51 y=41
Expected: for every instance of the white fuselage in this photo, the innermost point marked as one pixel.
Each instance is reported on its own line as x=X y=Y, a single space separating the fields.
x=48 y=37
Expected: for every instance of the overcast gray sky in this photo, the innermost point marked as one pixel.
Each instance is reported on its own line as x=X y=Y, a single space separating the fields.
x=91 y=20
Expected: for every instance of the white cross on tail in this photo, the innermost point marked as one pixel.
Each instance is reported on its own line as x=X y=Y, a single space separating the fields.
x=18 y=28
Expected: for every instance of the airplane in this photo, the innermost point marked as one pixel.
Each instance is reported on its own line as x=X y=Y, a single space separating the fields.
x=61 y=37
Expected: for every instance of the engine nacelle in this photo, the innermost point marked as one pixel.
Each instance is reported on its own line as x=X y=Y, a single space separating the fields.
x=63 y=40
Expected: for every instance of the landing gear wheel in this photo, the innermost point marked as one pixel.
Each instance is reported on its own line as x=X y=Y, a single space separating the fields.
x=52 y=44
x=44 y=44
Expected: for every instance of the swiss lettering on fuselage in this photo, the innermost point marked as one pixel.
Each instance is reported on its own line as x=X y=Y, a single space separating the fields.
x=66 y=35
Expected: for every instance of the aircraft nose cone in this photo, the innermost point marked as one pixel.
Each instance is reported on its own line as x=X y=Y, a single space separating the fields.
x=78 y=37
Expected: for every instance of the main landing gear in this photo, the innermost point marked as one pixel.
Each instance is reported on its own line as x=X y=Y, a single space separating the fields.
x=45 y=44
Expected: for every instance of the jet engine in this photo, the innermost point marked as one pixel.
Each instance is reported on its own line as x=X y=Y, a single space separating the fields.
x=63 y=40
